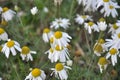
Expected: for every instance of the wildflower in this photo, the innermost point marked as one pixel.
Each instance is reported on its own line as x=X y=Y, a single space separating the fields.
x=69 y=62
x=34 y=10
x=100 y=47
x=102 y=63
x=113 y=52
x=64 y=23
x=10 y=46
x=89 y=26
x=114 y=28
x=61 y=39
x=47 y=33
x=26 y=53
x=110 y=9
x=3 y=35
x=80 y=19
x=114 y=42
x=102 y=24
x=36 y=74
x=7 y=14
x=60 y=71
x=0 y=78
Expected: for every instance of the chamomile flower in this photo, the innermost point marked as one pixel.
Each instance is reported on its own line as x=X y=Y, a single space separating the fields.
x=8 y=14
x=69 y=62
x=104 y=3
x=10 y=46
x=26 y=53
x=102 y=63
x=100 y=47
x=47 y=33
x=36 y=74
x=80 y=19
x=113 y=52
x=61 y=39
x=51 y=55
x=57 y=2
x=60 y=71
x=64 y=23
x=0 y=78
x=3 y=35
x=102 y=24
x=45 y=9
x=61 y=54
x=34 y=10
x=91 y=26
x=114 y=42
x=111 y=9
x=114 y=28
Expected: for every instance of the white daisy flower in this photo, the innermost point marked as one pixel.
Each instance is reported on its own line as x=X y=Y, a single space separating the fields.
x=61 y=38
x=80 y=19
x=64 y=23
x=10 y=46
x=26 y=53
x=60 y=71
x=8 y=14
x=34 y=10
x=36 y=74
x=113 y=52
x=47 y=33
x=1 y=10
x=111 y=9
x=114 y=42
x=83 y=2
x=51 y=55
x=104 y=3
x=114 y=28
x=3 y=35
x=57 y=2
x=91 y=26
x=102 y=63
x=102 y=24
x=100 y=47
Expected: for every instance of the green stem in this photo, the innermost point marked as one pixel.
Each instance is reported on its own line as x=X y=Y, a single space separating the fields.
x=71 y=9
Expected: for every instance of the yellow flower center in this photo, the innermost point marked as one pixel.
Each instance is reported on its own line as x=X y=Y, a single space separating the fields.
x=119 y=35
x=102 y=61
x=46 y=30
x=5 y=9
x=106 y=0
x=101 y=19
x=10 y=44
x=51 y=50
x=113 y=51
x=25 y=50
x=58 y=34
x=115 y=26
x=58 y=48
x=84 y=16
x=0 y=48
x=59 y=66
x=36 y=72
x=51 y=40
x=101 y=41
x=90 y=23
x=3 y=22
x=98 y=48
x=68 y=46
x=111 y=7
x=1 y=31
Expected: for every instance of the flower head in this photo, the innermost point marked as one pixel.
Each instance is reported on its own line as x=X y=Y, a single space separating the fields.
x=34 y=10
x=3 y=35
x=36 y=74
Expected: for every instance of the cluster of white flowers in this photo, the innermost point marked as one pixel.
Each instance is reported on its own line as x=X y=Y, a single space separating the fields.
x=59 y=51
x=108 y=6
